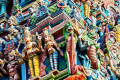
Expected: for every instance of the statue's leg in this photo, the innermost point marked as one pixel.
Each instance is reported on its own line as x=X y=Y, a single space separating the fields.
x=31 y=67
x=89 y=64
x=36 y=65
x=87 y=60
x=51 y=61
x=82 y=59
x=55 y=56
x=68 y=63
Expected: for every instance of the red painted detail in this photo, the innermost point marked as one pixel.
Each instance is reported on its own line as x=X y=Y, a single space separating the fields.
x=25 y=12
x=62 y=7
x=92 y=54
x=42 y=66
x=76 y=77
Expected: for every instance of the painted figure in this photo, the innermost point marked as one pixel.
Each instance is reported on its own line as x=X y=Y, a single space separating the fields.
x=94 y=46
x=83 y=45
x=31 y=52
x=13 y=67
x=14 y=29
x=76 y=71
x=52 y=49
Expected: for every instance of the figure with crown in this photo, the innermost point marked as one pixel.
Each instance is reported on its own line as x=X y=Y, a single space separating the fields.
x=52 y=49
x=30 y=52
x=14 y=29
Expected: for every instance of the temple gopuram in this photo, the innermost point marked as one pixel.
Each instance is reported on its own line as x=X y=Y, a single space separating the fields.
x=59 y=39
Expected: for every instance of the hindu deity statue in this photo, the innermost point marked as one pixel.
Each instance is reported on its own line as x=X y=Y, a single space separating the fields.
x=13 y=67
x=93 y=48
x=30 y=52
x=75 y=71
x=83 y=45
x=70 y=54
x=34 y=8
x=3 y=64
x=71 y=51
x=19 y=15
x=14 y=29
x=52 y=49
x=113 y=51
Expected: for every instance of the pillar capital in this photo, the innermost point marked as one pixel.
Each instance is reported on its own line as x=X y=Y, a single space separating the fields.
x=3 y=2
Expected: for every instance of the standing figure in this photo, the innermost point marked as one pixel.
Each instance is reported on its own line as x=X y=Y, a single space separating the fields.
x=83 y=44
x=52 y=49
x=71 y=55
x=75 y=71
x=31 y=51
x=71 y=51
x=13 y=66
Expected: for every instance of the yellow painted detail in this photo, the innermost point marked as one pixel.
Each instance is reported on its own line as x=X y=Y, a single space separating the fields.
x=31 y=67
x=36 y=65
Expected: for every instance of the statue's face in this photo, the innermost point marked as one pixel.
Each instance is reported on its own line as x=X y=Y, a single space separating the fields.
x=27 y=38
x=11 y=21
x=112 y=37
x=114 y=49
x=11 y=57
x=92 y=35
x=47 y=38
x=114 y=29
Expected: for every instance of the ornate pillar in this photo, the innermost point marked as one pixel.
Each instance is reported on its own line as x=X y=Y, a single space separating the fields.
x=23 y=69
x=3 y=4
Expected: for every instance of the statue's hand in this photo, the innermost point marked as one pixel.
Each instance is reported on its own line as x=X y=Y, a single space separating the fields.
x=17 y=51
x=39 y=37
x=42 y=49
x=23 y=54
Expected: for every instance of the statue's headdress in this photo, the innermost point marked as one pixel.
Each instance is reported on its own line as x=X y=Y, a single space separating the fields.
x=46 y=32
x=27 y=32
